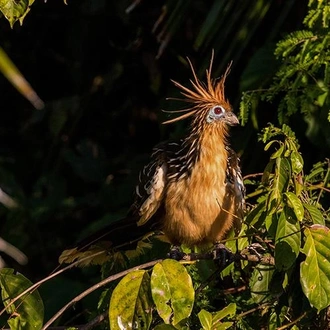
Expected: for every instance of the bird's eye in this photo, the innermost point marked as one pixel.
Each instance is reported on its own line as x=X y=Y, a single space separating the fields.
x=215 y=113
x=218 y=110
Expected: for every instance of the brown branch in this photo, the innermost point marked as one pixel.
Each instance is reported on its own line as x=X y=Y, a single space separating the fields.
x=253 y=310
x=288 y=325
x=252 y=175
x=36 y=285
x=95 y=287
x=96 y=321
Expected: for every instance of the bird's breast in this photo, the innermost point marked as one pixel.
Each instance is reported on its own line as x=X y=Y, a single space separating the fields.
x=193 y=204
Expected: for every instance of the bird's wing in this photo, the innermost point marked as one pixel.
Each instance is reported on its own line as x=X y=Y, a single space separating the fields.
x=234 y=176
x=151 y=186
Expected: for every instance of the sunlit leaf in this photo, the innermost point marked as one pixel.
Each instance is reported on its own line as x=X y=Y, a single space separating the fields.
x=172 y=291
x=213 y=321
x=278 y=153
x=229 y=310
x=283 y=174
x=131 y=302
x=13 y=10
x=205 y=319
x=315 y=270
x=297 y=162
x=28 y=312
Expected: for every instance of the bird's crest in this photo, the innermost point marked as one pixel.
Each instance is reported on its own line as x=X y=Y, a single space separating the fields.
x=203 y=96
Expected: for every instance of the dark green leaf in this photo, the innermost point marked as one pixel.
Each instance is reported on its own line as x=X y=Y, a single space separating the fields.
x=315 y=270
x=287 y=238
x=131 y=302
x=164 y=327
x=257 y=215
x=28 y=311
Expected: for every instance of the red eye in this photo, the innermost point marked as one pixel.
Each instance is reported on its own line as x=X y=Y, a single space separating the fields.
x=217 y=110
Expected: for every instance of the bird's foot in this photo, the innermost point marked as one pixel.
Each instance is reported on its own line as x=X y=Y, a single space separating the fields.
x=176 y=253
x=222 y=255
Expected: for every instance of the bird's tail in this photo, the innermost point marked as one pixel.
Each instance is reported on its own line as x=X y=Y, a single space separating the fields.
x=98 y=248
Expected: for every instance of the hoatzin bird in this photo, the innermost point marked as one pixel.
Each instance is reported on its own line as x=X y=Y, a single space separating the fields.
x=192 y=189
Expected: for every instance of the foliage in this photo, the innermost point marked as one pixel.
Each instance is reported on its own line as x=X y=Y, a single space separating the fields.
x=302 y=80
x=80 y=167
x=28 y=311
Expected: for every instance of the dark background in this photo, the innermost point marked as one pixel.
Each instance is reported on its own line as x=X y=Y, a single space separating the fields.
x=104 y=75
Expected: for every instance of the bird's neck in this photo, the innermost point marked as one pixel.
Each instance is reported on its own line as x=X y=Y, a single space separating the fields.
x=207 y=144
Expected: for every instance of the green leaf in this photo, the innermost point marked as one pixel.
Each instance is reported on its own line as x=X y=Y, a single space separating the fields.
x=229 y=310
x=131 y=302
x=213 y=321
x=295 y=204
x=205 y=318
x=28 y=311
x=278 y=153
x=172 y=291
x=282 y=174
x=315 y=214
x=287 y=240
x=315 y=270
x=260 y=282
x=164 y=327
x=13 y=10
x=267 y=172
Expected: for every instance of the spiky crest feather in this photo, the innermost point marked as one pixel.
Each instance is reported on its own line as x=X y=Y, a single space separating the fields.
x=203 y=95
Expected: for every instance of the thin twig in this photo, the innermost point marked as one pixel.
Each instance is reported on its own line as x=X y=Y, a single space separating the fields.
x=253 y=310
x=288 y=325
x=36 y=285
x=96 y=321
x=252 y=175
x=97 y=286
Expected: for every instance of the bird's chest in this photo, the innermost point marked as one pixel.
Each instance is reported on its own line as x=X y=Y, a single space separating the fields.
x=193 y=203
x=200 y=193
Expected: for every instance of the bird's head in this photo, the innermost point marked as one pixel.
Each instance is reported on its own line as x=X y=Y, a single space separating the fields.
x=208 y=103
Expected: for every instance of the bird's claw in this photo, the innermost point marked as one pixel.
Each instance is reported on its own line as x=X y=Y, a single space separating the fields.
x=222 y=255
x=176 y=253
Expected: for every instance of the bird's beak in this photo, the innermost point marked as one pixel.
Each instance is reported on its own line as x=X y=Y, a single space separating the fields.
x=231 y=119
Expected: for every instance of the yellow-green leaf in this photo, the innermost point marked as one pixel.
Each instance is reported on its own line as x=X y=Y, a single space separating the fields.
x=295 y=204
x=213 y=321
x=172 y=291
x=131 y=303
x=13 y=10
